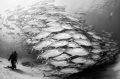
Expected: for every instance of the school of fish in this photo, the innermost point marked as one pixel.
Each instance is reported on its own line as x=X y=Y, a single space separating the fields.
x=64 y=42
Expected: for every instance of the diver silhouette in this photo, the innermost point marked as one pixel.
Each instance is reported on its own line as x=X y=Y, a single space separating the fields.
x=110 y=16
x=13 y=58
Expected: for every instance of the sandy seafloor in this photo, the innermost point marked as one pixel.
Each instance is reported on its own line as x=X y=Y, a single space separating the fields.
x=108 y=71
x=22 y=72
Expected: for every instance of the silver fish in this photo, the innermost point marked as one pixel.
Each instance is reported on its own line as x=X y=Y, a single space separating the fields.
x=41 y=17
x=59 y=43
x=62 y=36
x=62 y=57
x=69 y=70
x=45 y=67
x=53 y=24
x=83 y=42
x=72 y=18
x=59 y=63
x=42 y=35
x=51 y=53
x=66 y=26
x=97 y=50
x=79 y=60
x=89 y=62
x=52 y=19
x=10 y=33
x=97 y=37
x=42 y=45
x=11 y=28
x=0 y=28
x=73 y=44
x=77 y=51
x=79 y=36
x=53 y=29
x=95 y=56
x=80 y=13
x=28 y=41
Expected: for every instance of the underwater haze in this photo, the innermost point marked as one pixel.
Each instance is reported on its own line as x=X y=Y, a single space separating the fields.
x=68 y=39
x=97 y=13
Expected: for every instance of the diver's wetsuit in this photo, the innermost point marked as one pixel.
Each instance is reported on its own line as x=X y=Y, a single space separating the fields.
x=13 y=57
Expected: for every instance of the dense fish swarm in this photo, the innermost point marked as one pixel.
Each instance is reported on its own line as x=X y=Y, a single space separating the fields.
x=64 y=42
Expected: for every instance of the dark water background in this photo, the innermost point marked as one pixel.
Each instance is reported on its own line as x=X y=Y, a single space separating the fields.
x=101 y=72
x=99 y=17
x=102 y=22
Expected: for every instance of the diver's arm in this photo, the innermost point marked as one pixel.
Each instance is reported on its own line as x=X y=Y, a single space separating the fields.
x=9 y=58
x=17 y=59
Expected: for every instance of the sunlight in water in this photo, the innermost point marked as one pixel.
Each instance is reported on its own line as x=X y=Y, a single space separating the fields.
x=65 y=42
x=82 y=5
x=8 y=36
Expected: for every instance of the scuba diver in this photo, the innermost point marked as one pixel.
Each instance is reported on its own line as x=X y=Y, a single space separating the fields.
x=110 y=16
x=13 y=58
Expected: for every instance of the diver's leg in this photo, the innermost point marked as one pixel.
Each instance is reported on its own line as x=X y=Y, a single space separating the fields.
x=12 y=63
